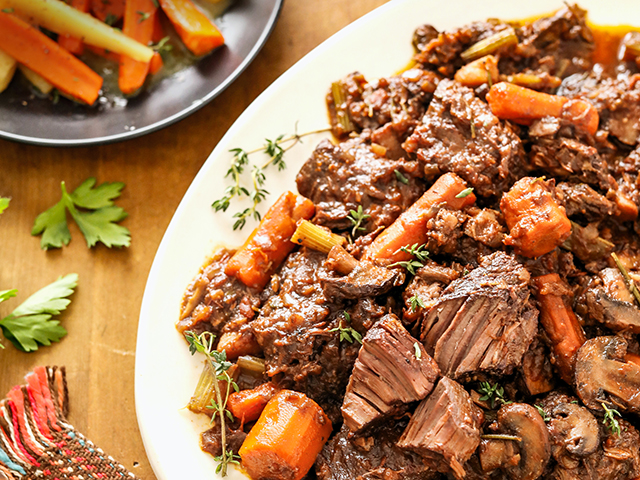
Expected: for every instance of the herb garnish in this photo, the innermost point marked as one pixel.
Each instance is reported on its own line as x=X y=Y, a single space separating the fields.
x=94 y=212
x=162 y=46
x=275 y=150
x=492 y=393
x=30 y=324
x=347 y=332
x=416 y=351
x=542 y=413
x=357 y=217
x=610 y=420
x=401 y=177
x=465 y=193
x=143 y=16
x=110 y=19
x=416 y=302
x=418 y=252
x=203 y=343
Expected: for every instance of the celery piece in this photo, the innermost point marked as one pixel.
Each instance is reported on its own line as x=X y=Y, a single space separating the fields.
x=490 y=44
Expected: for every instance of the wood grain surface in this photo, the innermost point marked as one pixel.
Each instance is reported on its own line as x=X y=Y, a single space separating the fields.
x=102 y=320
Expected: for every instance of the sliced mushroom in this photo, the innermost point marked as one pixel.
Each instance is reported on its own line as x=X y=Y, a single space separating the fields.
x=604 y=374
x=524 y=421
x=611 y=302
x=574 y=428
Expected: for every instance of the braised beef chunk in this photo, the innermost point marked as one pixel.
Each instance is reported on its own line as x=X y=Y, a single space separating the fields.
x=356 y=104
x=341 y=178
x=445 y=427
x=365 y=280
x=392 y=370
x=608 y=301
x=581 y=200
x=298 y=330
x=215 y=302
x=459 y=134
x=482 y=322
x=374 y=457
x=486 y=227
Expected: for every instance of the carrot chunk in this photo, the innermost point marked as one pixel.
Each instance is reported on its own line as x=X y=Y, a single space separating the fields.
x=238 y=343
x=74 y=44
x=139 y=24
x=194 y=28
x=35 y=50
x=523 y=105
x=268 y=245
x=108 y=11
x=559 y=322
x=247 y=405
x=286 y=439
x=537 y=224
x=410 y=227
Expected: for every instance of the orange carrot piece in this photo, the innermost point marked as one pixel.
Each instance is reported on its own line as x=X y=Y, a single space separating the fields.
x=156 y=64
x=627 y=210
x=269 y=244
x=103 y=52
x=410 y=227
x=158 y=30
x=559 y=322
x=537 y=223
x=74 y=44
x=196 y=31
x=237 y=344
x=247 y=405
x=523 y=105
x=286 y=439
x=35 y=50
x=108 y=11
x=139 y=21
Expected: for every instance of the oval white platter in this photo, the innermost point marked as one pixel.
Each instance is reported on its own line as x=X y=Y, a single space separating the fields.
x=377 y=45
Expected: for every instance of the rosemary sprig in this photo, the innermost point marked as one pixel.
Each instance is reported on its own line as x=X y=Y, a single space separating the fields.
x=416 y=302
x=630 y=283
x=275 y=150
x=346 y=333
x=493 y=393
x=610 y=420
x=419 y=254
x=356 y=217
x=203 y=343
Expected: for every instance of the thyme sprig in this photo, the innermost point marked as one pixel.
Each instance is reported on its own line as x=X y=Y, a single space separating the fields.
x=203 y=343
x=416 y=302
x=610 y=420
x=347 y=333
x=419 y=254
x=630 y=283
x=356 y=217
x=542 y=413
x=275 y=150
x=492 y=393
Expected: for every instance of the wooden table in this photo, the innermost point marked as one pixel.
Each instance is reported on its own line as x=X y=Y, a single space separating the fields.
x=102 y=320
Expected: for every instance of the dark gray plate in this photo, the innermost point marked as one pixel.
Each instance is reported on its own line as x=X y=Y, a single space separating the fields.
x=246 y=25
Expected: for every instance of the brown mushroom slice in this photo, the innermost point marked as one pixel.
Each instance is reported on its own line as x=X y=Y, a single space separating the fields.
x=612 y=303
x=524 y=422
x=603 y=374
x=575 y=428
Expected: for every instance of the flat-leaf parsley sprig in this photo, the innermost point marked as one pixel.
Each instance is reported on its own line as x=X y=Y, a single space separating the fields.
x=31 y=323
x=94 y=212
x=203 y=343
x=275 y=150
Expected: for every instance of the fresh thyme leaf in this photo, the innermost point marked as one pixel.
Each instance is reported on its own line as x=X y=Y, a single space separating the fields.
x=416 y=302
x=610 y=420
x=465 y=193
x=401 y=177
x=356 y=217
x=4 y=203
x=346 y=333
x=7 y=10
x=542 y=413
x=97 y=220
x=143 y=16
x=163 y=46
x=110 y=19
x=416 y=351
x=420 y=256
x=493 y=393
x=30 y=324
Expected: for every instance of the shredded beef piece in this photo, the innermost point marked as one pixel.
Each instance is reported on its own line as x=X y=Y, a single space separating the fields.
x=484 y=321
x=366 y=280
x=536 y=370
x=487 y=227
x=340 y=178
x=582 y=200
x=488 y=157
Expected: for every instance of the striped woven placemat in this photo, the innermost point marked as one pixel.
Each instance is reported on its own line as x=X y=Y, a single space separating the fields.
x=37 y=442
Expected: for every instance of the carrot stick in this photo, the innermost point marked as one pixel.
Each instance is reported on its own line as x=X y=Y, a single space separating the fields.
x=523 y=105
x=410 y=227
x=268 y=245
x=139 y=21
x=156 y=63
x=247 y=405
x=196 y=31
x=537 y=223
x=108 y=11
x=559 y=322
x=286 y=439
x=238 y=343
x=48 y=59
x=74 y=44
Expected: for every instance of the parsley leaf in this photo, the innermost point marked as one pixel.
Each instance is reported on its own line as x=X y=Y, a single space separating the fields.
x=97 y=220
x=30 y=324
x=4 y=203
